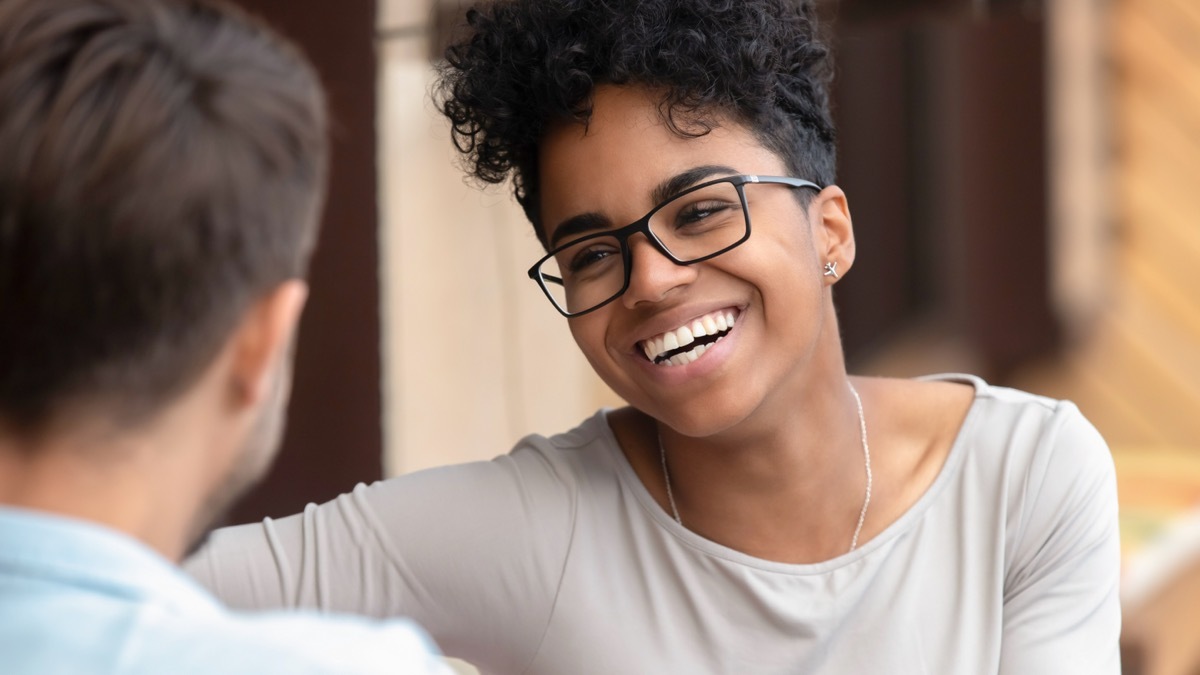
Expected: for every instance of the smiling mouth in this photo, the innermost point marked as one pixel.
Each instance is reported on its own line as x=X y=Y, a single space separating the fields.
x=688 y=342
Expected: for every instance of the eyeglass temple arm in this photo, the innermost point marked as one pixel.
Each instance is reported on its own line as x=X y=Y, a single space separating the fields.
x=548 y=277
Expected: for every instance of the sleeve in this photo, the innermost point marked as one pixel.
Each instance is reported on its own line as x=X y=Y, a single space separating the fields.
x=473 y=553
x=296 y=643
x=392 y=647
x=1061 y=608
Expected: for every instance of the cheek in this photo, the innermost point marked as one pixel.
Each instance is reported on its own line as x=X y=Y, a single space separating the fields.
x=588 y=331
x=795 y=245
x=778 y=259
x=787 y=276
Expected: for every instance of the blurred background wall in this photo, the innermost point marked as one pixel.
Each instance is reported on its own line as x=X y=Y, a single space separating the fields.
x=334 y=437
x=474 y=356
x=1023 y=178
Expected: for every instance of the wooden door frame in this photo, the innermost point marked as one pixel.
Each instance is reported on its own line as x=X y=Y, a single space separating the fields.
x=334 y=435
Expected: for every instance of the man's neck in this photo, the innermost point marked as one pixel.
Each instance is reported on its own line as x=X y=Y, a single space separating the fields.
x=127 y=484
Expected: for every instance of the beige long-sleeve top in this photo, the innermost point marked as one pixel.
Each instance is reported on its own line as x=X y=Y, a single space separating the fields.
x=555 y=559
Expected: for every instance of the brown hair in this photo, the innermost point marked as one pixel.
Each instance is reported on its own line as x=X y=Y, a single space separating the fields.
x=162 y=164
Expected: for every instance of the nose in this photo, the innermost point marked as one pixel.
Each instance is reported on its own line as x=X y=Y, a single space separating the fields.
x=653 y=275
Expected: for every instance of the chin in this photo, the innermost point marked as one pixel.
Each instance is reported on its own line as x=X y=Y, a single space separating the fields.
x=699 y=426
x=699 y=418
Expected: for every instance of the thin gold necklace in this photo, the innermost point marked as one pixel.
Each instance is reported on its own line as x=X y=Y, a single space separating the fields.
x=862 y=427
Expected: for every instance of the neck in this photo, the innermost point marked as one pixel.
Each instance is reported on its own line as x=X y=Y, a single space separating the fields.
x=143 y=484
x=788 y=476
x=803 y=448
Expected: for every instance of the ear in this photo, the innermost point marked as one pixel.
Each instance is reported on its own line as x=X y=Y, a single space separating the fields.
x=833 y=231
x=263 y=337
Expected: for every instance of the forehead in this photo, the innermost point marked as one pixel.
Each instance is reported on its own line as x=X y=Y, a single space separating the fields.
x=611 y=165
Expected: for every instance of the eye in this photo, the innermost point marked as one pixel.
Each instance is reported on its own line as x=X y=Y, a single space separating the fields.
x=703 y=211
x=587 y=257
x=590 y=258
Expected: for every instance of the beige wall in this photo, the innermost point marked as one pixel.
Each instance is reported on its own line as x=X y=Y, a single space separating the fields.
x=1078 y=135
x=474 y=356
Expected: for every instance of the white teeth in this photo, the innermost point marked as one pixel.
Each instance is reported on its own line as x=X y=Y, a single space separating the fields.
x=648 y=349
x=710 y=324
x=687 y=357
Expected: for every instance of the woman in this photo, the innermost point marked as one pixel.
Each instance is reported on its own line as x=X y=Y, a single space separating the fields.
x=754 y=510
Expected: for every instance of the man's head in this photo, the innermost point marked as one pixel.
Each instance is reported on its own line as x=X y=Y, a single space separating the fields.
x=526 y=65
x=161 y=173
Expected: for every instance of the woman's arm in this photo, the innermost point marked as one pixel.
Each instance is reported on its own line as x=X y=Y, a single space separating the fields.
x=473 y=553
x=1061 y=607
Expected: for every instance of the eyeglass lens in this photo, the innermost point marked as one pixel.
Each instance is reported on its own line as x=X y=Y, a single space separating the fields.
x=692 y=226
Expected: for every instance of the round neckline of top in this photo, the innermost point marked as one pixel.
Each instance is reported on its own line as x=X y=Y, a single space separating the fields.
x=628 y=478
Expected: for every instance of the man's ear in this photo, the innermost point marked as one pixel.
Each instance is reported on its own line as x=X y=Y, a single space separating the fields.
x=833 y=231
x=263 y=337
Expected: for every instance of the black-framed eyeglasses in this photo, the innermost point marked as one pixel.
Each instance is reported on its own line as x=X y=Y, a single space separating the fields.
x=698 y=224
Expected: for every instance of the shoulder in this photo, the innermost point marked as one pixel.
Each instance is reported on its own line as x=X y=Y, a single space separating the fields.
x=1025 y=429
x=1019 y=454
x=1054 y=487
x=1046 y=469
x=553 y=466
x=1049 y=439
x=572 y=449
x=154 y=635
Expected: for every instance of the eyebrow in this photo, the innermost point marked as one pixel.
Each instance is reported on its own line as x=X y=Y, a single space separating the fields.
x=682 y=181
x=591 y=221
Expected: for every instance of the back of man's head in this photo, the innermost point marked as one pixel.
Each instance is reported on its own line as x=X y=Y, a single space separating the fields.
x=161 y=167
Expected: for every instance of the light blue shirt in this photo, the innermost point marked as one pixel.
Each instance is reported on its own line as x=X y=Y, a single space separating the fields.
x=77 y=598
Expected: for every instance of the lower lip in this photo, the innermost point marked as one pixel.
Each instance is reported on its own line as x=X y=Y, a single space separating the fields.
x=712 y=358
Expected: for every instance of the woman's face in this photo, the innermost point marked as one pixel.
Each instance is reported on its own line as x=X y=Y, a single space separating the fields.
x=771 y=286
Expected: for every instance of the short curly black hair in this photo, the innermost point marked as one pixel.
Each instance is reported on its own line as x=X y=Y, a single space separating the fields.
x=524 y=64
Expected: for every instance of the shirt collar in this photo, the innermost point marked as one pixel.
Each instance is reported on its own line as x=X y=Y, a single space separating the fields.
x=57 y=549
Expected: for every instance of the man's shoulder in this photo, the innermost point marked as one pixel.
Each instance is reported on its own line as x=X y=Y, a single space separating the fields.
x=135 y=636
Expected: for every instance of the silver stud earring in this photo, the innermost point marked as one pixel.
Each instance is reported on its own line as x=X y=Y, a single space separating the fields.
x=831 y=269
